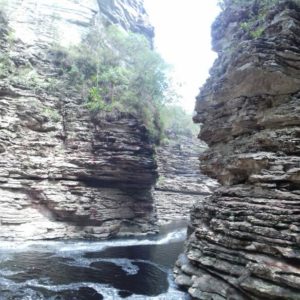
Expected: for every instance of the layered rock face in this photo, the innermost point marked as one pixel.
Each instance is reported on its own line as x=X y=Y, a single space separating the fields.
x=65 y=22
x=130 y=14
x=180 y=182
x=64 y=172
x=246 y=239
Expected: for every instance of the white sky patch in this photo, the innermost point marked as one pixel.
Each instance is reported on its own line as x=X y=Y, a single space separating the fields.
x=182 y=37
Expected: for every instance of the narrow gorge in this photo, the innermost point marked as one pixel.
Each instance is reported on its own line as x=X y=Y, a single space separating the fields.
x=67 y=172
x=245 y=241
x=96 y=190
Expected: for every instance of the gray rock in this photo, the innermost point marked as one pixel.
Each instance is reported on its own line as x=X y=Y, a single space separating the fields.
x=180 y=184
x=65 y=173
x=130 y=14
x=247 y=233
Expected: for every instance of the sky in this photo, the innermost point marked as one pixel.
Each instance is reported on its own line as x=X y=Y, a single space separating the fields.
x=182 y=37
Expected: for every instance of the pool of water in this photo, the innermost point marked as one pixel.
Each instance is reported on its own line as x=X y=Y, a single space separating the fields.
x=75 y=270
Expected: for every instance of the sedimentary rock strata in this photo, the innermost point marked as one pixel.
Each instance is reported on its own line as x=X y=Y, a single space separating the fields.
x=65 y=172
x=245 y=241
x=130 y=14
x=180 y=183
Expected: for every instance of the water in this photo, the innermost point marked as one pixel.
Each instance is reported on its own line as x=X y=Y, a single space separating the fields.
x=116 y=269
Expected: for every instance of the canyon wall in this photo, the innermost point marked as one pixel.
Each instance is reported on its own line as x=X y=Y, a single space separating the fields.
x=130 y=14
x=180 y=183
x=245 y=242
x=64 y=172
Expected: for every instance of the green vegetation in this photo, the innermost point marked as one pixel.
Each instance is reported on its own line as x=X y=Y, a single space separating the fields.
x=262 y=3
x=27 y=76
x=3 y=4
x=254 y=33
x=5 y=65
x=52 y=114
x=24 y=74
x=114 y=70
x=258 y=11
x=257 y=33
x=161 y=179
x=110 y=70
x=176 y=120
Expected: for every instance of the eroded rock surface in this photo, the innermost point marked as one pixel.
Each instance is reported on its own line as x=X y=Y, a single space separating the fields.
x=64 y=172
x=66 y=21
x=245 y=243
x=180 y=182
x=130 y=14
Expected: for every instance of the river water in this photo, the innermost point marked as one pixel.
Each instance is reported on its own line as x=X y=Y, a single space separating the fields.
x=115 y=269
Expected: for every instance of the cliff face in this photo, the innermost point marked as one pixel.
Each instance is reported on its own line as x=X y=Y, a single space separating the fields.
x=180 y=182
x=65 y=22
x=130 y=14
x=245 y=243
x=65 y=173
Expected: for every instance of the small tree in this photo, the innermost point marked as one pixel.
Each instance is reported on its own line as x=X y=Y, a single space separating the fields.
x=119 y=70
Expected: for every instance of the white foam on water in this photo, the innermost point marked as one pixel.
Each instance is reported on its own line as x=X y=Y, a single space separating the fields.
x=4 y=282
x=105 y=290
x=170 y=295
x=108 y=292
x=6 y=272
x=75 y=250
x=4 y=257
x=175 y=236
x=126 y=264
x=88 y=246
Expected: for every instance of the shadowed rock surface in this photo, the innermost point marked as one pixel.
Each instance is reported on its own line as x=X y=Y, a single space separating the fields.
x=245 y=241
x=64 y=172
